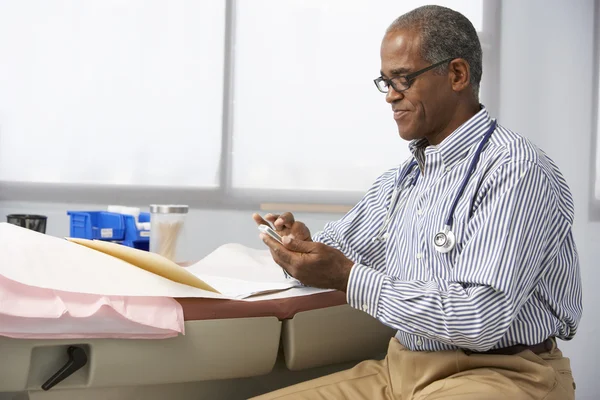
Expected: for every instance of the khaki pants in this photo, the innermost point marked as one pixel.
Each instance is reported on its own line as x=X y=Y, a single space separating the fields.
x=408 y=375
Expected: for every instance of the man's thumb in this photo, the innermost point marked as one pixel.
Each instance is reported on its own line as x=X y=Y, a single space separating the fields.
x=296 y=245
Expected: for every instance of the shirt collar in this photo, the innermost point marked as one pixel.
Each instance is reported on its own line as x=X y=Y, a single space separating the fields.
x=457 y=145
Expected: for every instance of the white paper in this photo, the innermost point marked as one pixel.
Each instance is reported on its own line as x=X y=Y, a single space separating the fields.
x=241 y=262
x=40 y=260
x=45 y=261
x=240 y=272
x=293 y=292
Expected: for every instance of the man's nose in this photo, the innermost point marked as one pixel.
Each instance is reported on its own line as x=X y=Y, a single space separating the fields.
x=391 y=96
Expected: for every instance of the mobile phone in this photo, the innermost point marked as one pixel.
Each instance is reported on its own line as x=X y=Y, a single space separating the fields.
x=269 y=231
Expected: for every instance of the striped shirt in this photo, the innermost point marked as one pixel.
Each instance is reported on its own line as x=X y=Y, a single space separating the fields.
x=513 y=277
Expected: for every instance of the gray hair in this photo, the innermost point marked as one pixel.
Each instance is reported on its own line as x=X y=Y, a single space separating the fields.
x=445 y=33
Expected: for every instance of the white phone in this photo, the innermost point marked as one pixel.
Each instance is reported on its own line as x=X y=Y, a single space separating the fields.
x=269 y=231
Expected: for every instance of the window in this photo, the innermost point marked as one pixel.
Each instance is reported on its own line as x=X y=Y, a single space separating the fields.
x=597 y=171
x=307 y=116
x=111 y=92
x=597 y=183
x=129 y=95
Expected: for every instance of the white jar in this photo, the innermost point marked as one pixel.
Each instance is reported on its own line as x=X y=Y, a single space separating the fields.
x=167 y=230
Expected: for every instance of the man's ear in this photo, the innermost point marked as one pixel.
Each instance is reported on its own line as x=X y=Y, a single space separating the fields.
x=459 y=73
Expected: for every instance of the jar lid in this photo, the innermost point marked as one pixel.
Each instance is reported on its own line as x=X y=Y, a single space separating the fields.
x=168 y=209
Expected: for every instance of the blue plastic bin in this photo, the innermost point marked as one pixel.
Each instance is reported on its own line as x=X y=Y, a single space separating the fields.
x=134 y=237
x=102 y=225
x=115 y=227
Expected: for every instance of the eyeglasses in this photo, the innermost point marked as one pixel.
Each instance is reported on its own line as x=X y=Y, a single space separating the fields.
x=403 y=82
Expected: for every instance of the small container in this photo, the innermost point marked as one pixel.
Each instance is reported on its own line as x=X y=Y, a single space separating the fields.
x=167 y=230
x=34 y=222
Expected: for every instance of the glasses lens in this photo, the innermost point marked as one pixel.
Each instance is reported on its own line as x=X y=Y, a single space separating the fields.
x=381 y=85
x=401 y=84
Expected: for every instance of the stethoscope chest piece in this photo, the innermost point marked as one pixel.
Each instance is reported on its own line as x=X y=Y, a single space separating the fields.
x=444 y=241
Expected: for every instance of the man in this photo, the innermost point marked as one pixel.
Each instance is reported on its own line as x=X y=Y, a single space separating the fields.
x=477 y=318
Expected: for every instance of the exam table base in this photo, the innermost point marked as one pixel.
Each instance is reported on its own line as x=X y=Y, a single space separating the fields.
x=210 y=350
x=217 y=359
x=227 y=389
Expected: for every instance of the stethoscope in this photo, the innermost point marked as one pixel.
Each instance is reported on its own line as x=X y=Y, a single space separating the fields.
x=445 y=240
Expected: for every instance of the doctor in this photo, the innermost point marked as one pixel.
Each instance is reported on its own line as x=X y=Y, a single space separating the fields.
x=466 y=249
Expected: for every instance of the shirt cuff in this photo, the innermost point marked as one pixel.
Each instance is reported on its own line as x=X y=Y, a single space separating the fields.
x=364 y=288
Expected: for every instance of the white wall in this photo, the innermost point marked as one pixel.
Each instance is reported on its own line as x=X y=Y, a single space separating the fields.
x=546 y=92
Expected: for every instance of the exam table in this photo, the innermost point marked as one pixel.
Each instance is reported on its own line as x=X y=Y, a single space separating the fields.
x=230 y=350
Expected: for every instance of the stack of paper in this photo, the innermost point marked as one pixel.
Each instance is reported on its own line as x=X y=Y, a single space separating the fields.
x=97 y=267
x=52 y=287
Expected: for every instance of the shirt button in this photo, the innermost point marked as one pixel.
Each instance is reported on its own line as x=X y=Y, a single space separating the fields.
x=419 y=212
x=365 y=307
x=448 y=169
x=419 y=342
x=419 y=256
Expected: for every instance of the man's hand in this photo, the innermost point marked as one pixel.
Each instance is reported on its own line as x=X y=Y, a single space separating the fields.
x=285 y=225
x=314 y=264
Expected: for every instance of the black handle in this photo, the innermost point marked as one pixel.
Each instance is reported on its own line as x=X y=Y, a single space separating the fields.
x=77 y=359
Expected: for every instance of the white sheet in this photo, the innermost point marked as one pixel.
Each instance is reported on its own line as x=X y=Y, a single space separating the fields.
x=240 y=272
x=44 y=261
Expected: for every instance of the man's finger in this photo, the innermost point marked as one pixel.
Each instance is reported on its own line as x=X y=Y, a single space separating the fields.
x=259 y=220
x=299 y=246
x=281 y=255
x=285 y=220
x=271 y=217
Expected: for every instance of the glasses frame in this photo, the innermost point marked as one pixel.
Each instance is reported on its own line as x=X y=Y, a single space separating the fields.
x=409 y=78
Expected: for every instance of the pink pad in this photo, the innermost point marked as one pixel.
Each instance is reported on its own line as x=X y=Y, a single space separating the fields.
x=28 y=312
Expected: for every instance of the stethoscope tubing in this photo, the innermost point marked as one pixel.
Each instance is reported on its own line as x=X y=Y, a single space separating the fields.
x=447 y=230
